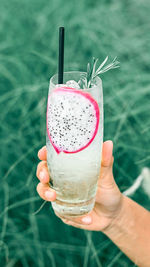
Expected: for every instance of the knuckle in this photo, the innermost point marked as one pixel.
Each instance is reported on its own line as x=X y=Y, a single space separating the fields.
x=40 y=166
x=38 y=188
x=44 y=148
x=45 y=169
x=112 y=160
x=42 y=153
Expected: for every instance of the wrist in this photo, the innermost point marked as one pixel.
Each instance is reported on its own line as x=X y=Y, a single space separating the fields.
x=117 y=217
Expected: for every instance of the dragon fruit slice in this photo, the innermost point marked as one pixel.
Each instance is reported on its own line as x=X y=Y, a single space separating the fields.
x=72 y=119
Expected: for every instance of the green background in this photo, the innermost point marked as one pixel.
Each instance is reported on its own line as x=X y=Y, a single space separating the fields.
x=28 y=58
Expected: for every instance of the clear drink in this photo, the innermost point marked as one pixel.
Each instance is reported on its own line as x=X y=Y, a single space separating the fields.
x=74 y=175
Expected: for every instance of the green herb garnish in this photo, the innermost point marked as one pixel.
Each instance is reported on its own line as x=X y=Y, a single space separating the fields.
x=87 y=79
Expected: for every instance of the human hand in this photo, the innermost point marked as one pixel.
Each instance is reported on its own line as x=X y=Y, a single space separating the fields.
x=108 y=197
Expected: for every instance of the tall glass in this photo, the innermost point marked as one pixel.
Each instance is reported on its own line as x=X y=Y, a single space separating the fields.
x=74 y=176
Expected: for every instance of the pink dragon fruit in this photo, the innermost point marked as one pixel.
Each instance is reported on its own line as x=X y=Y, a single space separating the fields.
x=72 y=119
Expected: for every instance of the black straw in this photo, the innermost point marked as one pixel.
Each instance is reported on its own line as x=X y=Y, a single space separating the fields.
x=61 y=55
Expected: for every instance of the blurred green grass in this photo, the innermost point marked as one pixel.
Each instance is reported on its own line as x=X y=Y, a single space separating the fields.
x=28 y=58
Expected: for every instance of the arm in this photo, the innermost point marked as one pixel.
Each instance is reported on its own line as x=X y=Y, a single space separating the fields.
x=130 y=231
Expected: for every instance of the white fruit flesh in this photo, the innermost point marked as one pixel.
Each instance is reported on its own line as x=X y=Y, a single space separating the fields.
x=72 y=119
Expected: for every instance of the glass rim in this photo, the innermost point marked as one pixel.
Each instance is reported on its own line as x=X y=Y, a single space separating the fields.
x=70 y=72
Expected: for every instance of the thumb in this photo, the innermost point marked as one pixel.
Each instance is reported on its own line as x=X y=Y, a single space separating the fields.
x=106 y=175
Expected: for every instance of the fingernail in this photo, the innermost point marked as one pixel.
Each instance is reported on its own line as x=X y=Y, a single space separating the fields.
x=42 y=175
x=110 y=150
x=49 y=194
x=40 y=150
x=87 y=220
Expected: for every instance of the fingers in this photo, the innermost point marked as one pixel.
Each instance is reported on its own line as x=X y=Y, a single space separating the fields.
x=46 y=192
x=42 y=154
x=42 y=172
x=107 y=153
x=86 y=220
x=43 y=187
x=82 y=222
x=106 y=175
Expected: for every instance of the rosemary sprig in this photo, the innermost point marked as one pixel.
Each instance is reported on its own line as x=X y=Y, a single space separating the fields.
x=88 y=78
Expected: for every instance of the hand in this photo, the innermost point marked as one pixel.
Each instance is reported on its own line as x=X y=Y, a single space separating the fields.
x=108 y=197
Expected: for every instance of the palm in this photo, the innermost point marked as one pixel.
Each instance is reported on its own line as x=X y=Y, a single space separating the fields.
x=107 y=201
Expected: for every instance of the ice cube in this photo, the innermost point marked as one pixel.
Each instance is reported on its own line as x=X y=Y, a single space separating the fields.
x=61 y=85
x=73 y=84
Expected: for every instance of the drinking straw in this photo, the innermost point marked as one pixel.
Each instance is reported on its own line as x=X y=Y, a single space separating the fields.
x=61 y=55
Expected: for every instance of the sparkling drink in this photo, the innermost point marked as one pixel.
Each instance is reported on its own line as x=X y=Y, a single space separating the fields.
x=74 y=142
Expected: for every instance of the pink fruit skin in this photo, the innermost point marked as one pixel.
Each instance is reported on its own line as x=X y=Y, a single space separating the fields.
x=86 y=95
